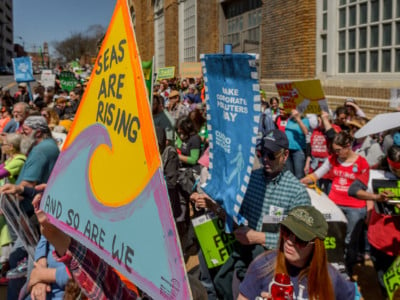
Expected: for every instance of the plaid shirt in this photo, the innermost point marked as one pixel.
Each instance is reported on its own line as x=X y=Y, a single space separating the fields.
x=271 y=200
x=95 y=277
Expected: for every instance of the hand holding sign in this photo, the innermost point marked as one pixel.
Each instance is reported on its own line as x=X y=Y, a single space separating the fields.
x=113 y=134
x=306 y=96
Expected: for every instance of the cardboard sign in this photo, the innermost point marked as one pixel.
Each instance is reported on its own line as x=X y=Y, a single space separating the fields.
x=166 y=73
x=233 y=101
x=393 y=186
x=190 y=70
x=23 y=71
x=20 y=223
x=47 y=78
x=392 y=278
x=305 y=96
x=68 y=80
x=215 y=244
x=107 y=189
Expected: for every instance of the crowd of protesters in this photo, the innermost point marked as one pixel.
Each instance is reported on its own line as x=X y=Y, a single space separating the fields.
x=33 y=129
x=294 y=150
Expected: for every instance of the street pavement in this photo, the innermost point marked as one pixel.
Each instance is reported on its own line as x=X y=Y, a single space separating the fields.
x=8 y=82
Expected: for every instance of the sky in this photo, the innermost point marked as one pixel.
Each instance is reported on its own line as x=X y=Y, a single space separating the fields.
x=39 y=21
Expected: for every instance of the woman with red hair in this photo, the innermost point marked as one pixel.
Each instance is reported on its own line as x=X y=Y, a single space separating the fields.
x=302 y=257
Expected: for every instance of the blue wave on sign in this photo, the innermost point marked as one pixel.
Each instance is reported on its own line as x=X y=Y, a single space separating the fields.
x=69 y=175
x=148 y=215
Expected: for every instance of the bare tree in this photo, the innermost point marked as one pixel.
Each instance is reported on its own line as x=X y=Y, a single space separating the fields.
x=79 y=44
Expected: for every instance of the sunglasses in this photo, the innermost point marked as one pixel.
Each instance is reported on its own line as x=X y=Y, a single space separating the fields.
x=288 y=235
x=267 y=154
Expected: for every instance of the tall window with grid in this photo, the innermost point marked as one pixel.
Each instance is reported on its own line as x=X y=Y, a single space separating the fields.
x=190 y=37
x=366 y=37
x=159 y=34
x=242 y=26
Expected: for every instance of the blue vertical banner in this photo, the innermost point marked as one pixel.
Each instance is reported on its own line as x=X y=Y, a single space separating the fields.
x=233 y=111
x=23 y=69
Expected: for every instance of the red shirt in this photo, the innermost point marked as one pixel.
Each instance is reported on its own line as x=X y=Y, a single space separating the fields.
x=319 y=144
x=343 y=177
x=280 y=123
x=384 y=233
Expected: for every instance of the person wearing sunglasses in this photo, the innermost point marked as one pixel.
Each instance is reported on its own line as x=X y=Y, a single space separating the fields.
x=302 y=256
x=271 y=193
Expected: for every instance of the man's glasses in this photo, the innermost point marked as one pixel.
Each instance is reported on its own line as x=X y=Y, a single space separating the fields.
x=267 y=154
x=288 y=235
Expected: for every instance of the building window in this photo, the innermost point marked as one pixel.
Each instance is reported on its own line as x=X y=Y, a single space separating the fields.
x=161 y=42
x=397 y=69
x=159 y=34
x=236 y=8
x=235 y=27
x=324 y=35
x=189 y=33
x=398 y=9
x=242 y=25
x=364 y=36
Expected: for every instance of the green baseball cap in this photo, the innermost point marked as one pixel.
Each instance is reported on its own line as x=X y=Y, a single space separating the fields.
x=307 y=223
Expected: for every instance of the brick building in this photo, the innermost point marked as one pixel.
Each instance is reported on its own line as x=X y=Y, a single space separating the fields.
x=6 y=33
x=40 y=59
x=352 y=46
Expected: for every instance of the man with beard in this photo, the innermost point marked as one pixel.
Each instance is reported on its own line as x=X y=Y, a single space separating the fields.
x=42 y=152
x=272 y=192
x=20 y=113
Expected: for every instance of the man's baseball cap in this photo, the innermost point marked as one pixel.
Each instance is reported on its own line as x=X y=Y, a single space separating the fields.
x=273 y=141
x=307 y=223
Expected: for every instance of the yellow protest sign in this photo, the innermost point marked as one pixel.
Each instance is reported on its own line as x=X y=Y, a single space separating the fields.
x=107 y=189
x=305 y=96
x=116 y=98
x=166 y=73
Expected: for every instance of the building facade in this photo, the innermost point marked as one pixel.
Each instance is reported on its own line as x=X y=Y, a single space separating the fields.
x=6 y=33
x=175 y=31
x=352 y=46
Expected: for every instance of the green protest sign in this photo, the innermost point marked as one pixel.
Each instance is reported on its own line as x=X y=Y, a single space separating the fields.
x=392 y=278
x=68 y=80
x=147 y=67
x=215 y=243
x=166 y=73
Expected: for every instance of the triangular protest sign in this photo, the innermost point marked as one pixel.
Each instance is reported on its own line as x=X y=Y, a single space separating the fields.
x=107 y=190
